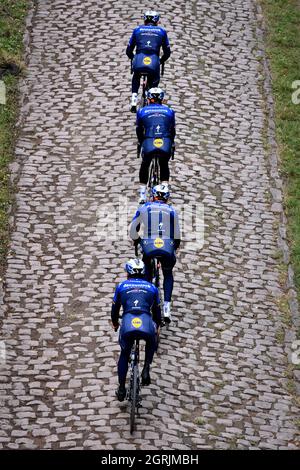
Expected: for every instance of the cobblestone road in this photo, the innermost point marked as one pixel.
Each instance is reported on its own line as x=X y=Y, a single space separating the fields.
x=221 y=378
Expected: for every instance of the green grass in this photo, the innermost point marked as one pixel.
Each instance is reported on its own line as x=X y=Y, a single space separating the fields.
x=283 y=49
x=12 y=20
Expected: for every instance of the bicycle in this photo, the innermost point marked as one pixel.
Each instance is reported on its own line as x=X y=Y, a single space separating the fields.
x=155 y=276
x=154 y=175
x=133 y=393
x=154 y=171
x=155 y=267
x=145 y=86
x=144 y=78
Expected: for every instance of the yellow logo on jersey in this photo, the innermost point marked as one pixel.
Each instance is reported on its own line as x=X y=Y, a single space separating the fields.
x=158 y=143
x=136 y=322
x=147 y=60
x=158 y=243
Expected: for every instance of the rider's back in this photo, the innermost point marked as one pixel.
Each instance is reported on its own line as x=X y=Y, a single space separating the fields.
x=156 y=120
x=149 y=39
x=159 y=220
x=136 y=296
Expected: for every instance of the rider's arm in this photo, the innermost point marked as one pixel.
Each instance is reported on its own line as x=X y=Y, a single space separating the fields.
x=115 y=309
x=131 y=45
x=156 y=311
x=166 y=48
x=135 y=226
x=177 y=239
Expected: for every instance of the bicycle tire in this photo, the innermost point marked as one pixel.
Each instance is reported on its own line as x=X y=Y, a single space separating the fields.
x=153 y=179
x=157 y=341
x=156 y=172
x=145 y=89
x=157 y=275
x=151 y=171
x=156 y=278
x=134 y=398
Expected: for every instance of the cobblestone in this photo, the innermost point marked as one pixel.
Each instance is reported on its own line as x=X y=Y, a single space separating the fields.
x=76 y=151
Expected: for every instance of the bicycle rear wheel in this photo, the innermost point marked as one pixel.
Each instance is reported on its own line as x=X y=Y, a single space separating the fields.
x=150 y=180
x=145 y=89
x=156 y=172
x=134 y=398
x=153 y=174
x=156 y=282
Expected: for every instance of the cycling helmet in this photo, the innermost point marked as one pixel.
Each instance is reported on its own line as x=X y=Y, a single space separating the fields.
x=135 y=266
x=151 y=16
x=155 y=94
x=161 y=191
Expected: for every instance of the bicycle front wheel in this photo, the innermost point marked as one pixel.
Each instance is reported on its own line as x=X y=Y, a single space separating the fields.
x=134 y=398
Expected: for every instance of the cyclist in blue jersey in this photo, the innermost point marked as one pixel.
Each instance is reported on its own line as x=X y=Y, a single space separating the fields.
x=139 y=298
x=161 y=238
x=147 y=40
x=155 y=130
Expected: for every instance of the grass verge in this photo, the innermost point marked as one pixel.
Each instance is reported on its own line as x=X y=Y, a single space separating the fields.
x=283 y=50
x=12 y=21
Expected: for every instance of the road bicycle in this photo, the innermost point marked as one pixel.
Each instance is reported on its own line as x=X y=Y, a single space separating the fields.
x=154 y=170
x=155 y=277
x=154 y=173
x=145 y=86
x=145 y=83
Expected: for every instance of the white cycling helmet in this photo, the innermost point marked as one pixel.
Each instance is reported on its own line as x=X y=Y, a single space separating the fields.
x=135 y=266
x=155 y=94
x=161 y=191
x=151 y=16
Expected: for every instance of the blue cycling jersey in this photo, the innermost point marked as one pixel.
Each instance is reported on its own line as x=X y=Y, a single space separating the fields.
x=136 y=296
x=149 y=39
x=155 y=121
x=159 y=220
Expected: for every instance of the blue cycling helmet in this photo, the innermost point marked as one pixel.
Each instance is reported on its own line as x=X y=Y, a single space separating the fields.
x=155 y=94
x=135 y=266
x=161 y=191
x=151 y=16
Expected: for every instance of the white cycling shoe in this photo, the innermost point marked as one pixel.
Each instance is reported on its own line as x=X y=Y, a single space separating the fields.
x=134 y=100
x=167 y=312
